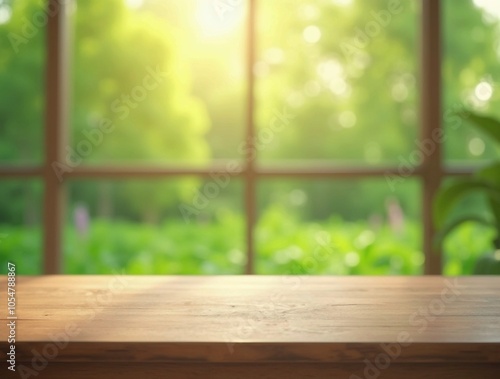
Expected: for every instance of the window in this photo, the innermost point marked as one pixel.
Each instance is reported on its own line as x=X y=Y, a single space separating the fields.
x=226 y=137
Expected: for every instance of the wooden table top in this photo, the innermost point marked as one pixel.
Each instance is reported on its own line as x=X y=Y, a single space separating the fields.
x=256 y=318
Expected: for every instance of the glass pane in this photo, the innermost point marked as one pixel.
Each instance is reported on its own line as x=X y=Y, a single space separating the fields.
x=337 y=81
x=20 y=226
x=339 y=227
x=177 y=226
x=22 y=65
x=157 y=82
x=471 y=74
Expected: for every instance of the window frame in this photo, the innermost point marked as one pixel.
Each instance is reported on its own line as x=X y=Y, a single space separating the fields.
x=430 y=172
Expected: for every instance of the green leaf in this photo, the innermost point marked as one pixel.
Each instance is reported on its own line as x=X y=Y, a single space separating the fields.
x=486 y=124
x=488 y=264
x=448 y=196
x=451 y=225
x=491 y=174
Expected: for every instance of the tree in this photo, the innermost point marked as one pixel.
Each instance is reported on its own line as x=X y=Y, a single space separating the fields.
x=131 y=98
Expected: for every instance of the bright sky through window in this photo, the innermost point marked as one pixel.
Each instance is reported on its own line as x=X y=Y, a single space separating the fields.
x=219 y=17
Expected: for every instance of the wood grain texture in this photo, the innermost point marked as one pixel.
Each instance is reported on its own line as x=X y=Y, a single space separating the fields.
x=212 y=323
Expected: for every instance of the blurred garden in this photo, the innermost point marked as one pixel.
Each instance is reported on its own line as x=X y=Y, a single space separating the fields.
x=163 y=83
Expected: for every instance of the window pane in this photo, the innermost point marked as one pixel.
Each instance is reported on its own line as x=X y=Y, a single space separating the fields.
x=339 y=227
x=177 y=226
x=20 y=226
x=22 y=63
x=471 y=74
x=337 y=80
x=157 y=82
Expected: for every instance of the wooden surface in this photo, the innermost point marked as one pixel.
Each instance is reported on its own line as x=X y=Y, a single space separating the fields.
x=310 y=326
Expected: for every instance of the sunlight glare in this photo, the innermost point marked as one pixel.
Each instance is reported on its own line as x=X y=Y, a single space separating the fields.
x=476 y=146
x=490 y=6
x=330 y=69
x=218 y=17
x=483 y=91
x=338 y=86
x=134 y=4
x=343 y=3
x=312 y=34
x=5 y=14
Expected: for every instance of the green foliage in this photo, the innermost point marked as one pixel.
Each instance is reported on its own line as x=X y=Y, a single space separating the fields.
x=20 y=245
x=464 y=246
x=486 y=124
x=450 y=195
x=337 y=93
x=488 y=264
x=349 y=101
x=126 y=72
x=114 y=57
x=22 y=98
x=334 y=246
x=284 y=246
x=486 y=181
